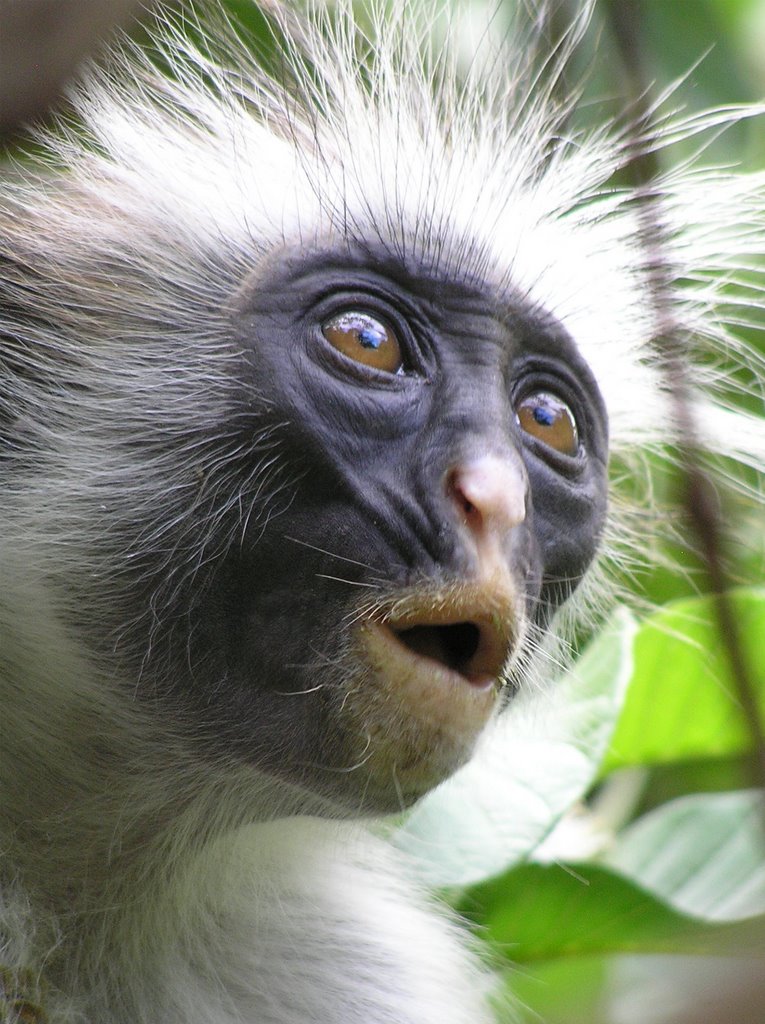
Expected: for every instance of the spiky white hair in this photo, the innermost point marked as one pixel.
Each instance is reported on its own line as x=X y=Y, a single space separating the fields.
x=120 y=249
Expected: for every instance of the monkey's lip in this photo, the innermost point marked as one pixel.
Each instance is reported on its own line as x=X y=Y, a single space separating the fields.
x=464 y=637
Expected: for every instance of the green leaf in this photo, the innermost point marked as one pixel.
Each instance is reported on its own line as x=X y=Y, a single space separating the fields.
x=682 y=700
x=540 y=757
x=539 y=912
x=702 y=854
x=562 y=991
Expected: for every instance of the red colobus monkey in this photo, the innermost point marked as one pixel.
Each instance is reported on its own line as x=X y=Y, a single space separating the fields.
x=308 y=384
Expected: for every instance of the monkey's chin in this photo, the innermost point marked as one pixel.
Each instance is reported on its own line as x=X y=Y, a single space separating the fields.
x=433 y=679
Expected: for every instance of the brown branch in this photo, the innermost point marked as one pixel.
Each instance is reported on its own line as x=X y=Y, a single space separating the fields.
x=701 y=508
x=41 y=44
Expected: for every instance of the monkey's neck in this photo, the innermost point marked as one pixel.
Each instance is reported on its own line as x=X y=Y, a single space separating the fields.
x=113 y=836
x=135 y=881
x=135 y=886
x=116 y=839
x=291 y=920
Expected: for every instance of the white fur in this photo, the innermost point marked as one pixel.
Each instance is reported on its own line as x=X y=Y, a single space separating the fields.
x=134 y=880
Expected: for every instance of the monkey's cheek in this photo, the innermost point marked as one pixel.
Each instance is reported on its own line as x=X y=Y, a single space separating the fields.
x=417 y=721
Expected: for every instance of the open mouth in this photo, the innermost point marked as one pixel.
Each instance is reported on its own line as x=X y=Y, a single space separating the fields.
x=476 y=651
x=465 y=634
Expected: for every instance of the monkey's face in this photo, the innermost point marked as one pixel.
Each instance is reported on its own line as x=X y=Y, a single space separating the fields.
x=444 y=450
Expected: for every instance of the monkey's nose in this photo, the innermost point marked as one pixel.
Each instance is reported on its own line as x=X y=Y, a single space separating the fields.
x=489 y=495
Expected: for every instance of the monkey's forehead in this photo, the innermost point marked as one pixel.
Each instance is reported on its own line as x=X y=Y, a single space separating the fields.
x=458 y=204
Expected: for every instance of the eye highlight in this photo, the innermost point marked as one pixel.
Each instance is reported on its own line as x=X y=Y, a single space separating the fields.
x=365 y=339
x=546 y=417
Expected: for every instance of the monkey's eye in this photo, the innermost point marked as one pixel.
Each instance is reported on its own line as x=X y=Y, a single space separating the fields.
x=547 y=418
x=365 y=339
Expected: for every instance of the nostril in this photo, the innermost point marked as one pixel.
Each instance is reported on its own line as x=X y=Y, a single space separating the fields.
x=457 y=492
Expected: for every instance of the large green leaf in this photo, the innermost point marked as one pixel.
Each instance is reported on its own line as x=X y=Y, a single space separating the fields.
x=704 y=854
x=539 y=912
x=539 y=759
x=682 y=700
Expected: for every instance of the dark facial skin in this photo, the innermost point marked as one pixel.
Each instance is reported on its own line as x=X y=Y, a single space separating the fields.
x=354 y=643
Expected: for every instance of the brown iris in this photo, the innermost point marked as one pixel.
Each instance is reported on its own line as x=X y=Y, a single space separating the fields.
x=365 y=339
x=547 y=418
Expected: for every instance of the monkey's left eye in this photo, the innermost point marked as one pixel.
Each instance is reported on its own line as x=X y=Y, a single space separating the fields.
x=549 y=419
x=365 y=339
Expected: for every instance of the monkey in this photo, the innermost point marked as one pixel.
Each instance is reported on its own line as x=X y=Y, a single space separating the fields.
x=317 y=388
